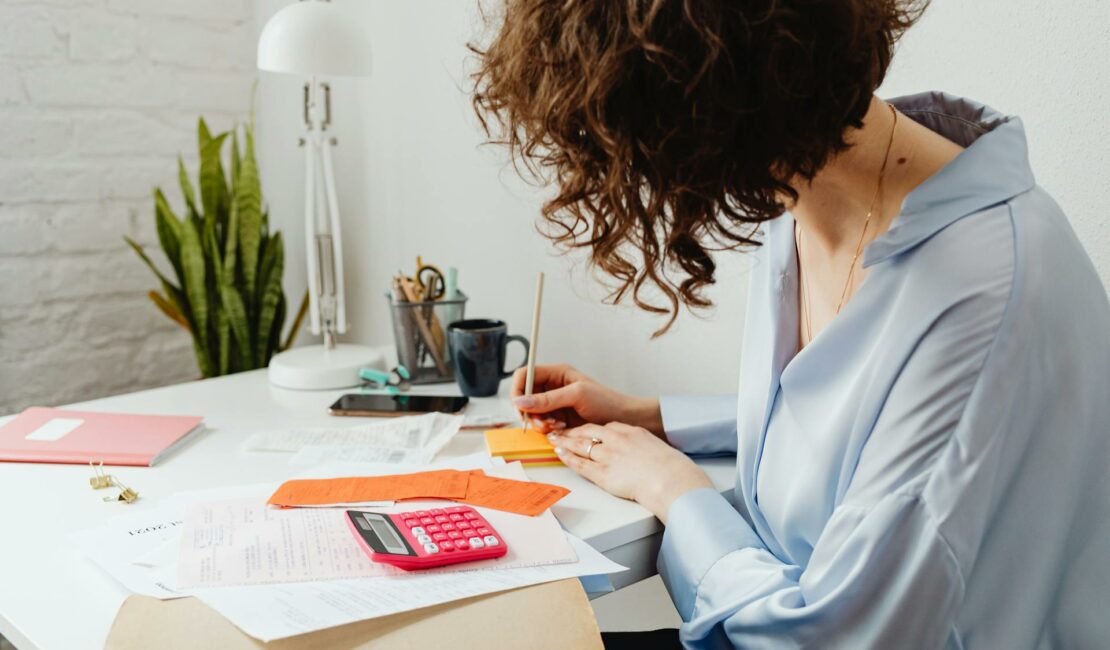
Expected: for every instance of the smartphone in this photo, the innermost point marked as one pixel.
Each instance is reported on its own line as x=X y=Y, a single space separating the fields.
x=393 y=405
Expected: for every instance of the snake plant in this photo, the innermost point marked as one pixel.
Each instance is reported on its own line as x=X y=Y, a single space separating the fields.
x=226 y=263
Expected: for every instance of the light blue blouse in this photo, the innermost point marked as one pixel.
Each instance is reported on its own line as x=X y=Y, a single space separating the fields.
x=932 y=470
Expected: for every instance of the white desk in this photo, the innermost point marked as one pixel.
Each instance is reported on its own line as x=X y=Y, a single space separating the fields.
x=53 y=598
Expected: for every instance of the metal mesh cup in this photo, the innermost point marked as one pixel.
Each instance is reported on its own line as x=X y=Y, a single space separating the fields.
x=420 y=334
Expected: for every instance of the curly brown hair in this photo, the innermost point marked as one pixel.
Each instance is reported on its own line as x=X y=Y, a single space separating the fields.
x=673 y=128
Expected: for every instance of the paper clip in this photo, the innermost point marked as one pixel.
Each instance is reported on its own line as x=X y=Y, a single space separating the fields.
x=99 y=479
x=126 y=494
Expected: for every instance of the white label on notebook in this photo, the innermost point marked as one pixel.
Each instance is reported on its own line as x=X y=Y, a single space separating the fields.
x=55 y=429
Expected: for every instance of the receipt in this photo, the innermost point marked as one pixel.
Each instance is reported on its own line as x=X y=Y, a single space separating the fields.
x=415 y=439
x=313 y=454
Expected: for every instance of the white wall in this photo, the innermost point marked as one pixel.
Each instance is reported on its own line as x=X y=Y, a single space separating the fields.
x=419 y=183
x=97 y=97
x=415 y=181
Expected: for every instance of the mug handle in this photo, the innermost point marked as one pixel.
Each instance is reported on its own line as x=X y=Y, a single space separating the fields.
x=523 y=341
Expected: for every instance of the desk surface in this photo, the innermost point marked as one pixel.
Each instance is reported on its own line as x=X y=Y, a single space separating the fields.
x=51 y=597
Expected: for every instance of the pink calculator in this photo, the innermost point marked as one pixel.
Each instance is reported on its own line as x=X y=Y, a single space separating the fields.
x=426 y=538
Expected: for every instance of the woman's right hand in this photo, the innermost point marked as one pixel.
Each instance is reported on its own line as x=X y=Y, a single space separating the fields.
x=562 y=397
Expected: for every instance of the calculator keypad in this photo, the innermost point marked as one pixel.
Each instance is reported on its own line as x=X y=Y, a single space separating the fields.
x=458 y=531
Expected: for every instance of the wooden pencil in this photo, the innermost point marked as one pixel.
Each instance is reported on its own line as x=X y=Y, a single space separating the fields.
x=534 y=342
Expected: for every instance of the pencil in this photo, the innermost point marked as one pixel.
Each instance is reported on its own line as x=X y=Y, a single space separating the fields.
x=530 y=374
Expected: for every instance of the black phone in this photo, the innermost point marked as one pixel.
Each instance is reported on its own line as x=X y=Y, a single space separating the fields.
x=392 y=405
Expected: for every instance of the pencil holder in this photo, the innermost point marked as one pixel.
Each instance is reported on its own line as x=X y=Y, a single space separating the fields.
x=420 y=334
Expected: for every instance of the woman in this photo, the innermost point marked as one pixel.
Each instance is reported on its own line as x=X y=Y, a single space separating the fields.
x=922 y=418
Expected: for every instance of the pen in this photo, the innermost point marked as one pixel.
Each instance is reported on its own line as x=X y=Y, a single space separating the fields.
x=530 y=374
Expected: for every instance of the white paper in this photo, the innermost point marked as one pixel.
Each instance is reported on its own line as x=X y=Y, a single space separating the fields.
x=245 y=542
x=113 y=545
x=339 y=469
x=162 y=555
x=133 y=548
x=147 y=563
x=479 y=421
x=315 y=454
x=422 y=436
x=269 y=612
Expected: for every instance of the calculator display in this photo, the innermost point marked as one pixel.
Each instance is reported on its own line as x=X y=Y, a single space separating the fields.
x=386 y=534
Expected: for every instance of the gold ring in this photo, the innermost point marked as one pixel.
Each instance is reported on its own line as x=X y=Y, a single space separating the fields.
x=590 y=447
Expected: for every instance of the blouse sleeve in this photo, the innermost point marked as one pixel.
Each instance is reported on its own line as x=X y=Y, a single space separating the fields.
x=702 y=424
x=883 y=572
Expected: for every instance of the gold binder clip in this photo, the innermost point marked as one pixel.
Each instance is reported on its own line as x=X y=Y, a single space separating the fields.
x=126 y=494
x=99 y=479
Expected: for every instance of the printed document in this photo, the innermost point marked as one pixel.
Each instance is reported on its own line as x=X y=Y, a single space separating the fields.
x=270 y=612
x=244 y=542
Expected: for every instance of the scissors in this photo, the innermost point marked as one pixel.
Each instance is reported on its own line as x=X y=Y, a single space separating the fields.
x=429 y=281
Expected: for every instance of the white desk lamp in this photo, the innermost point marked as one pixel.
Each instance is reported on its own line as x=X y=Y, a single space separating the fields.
x=312 y=38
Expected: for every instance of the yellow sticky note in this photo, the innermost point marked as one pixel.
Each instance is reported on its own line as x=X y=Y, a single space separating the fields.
x=518 y=443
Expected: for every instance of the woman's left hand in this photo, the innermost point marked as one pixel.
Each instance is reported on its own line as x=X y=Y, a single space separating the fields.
x=630 y=462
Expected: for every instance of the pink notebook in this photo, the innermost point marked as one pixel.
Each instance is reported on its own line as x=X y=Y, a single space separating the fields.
x=46 y=435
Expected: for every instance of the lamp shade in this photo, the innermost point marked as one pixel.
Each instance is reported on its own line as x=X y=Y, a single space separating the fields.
x=315 y=38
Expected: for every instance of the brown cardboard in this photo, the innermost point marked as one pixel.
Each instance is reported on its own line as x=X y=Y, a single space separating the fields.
x=552 y=615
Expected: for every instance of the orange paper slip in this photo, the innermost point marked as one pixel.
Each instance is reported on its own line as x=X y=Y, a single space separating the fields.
x=521 y=497
x=439 y=484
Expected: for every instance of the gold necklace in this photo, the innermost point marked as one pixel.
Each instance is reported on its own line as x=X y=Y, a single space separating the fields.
x=804 y=284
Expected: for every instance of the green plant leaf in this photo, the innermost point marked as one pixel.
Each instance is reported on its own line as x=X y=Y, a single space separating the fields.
x=212 y=257
x=213 y=184
x=223 y=339
x=177 y=299
x=166 y=307
x=186 y=187
x=203 y=362
x=231 y=243
x=196 y=291
x=236 y=159
x=168 y=227
x=143 y=256
x=273 y=345
x=237 y=319
x=273 y=263
x=248 y=200
x=204 y=136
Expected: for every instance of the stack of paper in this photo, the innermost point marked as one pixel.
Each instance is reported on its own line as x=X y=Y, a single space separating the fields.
x=529 y=447
x=415 y=439
x=276 y=573
x=241 y=542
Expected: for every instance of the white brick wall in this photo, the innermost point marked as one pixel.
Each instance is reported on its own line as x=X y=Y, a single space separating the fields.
x=97 y=97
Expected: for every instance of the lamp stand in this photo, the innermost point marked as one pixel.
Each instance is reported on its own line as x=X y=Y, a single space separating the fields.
x=332 y=364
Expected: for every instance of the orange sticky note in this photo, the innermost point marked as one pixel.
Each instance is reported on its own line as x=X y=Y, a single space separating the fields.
x=521 y=497
x=439 y=484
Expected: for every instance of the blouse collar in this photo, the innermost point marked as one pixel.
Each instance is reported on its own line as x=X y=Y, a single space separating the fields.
x=993 y=168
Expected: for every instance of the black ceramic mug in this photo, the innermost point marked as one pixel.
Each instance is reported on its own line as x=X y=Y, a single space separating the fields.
x=478 y=353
